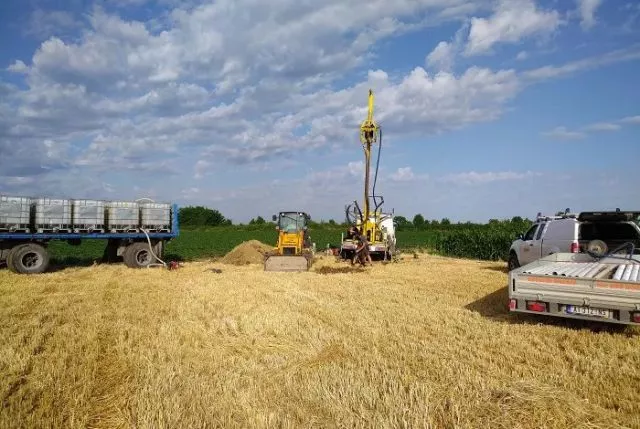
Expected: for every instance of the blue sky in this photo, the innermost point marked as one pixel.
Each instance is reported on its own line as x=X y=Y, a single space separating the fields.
x=489 y=109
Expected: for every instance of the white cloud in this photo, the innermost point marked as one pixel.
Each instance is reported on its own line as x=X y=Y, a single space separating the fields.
x=631 y=120
x=45 y=23
x=406 y=174
x=474 y=178
x=603 y=126
x=511 y=21
x=522 y=55
x=201 y=169
x=207 y=87
x=444 y=54
x=17 y=180
x=562 y=133
x=547 y=72
x=403 y=174
x=587 y=9
x=18 y=66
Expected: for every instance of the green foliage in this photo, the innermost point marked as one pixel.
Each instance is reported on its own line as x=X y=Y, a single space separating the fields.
x=209 y=234
x=201 y=216
x=418 y=221
x=402 y=223
x=489 y=245
x=257 y=221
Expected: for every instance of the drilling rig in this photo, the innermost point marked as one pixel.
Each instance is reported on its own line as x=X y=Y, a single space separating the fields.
x=377 y=226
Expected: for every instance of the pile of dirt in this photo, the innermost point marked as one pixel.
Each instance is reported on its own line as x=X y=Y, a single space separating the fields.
x=249 y=252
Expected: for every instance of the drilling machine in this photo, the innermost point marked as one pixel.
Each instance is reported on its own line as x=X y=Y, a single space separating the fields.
x=371 y=221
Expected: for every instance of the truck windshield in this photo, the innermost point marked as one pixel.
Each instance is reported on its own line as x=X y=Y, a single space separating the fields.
x=292 y=222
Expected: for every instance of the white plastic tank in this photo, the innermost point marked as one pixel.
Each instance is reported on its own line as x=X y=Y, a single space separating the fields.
x=15 y=213
x=389 y=232
x=88 y=215
x=155 y=216
x=123 y=216
x=52 y=214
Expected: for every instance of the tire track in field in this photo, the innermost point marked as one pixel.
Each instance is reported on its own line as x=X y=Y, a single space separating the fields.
x=108 y=399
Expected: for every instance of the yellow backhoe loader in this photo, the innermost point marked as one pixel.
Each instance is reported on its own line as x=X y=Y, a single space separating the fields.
x=293 y=250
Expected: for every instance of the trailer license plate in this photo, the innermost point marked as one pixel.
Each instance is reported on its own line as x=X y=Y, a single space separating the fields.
x=587 y=311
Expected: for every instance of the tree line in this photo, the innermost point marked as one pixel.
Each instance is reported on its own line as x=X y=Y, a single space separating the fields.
x=200 y=216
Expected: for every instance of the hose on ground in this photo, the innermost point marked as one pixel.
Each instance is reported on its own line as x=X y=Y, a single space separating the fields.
x=162 y=264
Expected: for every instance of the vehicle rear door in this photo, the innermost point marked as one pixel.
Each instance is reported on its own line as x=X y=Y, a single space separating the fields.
x=530 y=247
x=558 y=236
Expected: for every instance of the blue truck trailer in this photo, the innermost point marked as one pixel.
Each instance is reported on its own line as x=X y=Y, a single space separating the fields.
x=137 y=231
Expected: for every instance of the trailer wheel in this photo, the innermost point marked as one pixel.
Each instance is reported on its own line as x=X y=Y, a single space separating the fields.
x=137 y=255
x=28 y=258
x=9 y=259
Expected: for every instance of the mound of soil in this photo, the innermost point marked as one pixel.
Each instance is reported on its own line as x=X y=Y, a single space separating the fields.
x=249 y=252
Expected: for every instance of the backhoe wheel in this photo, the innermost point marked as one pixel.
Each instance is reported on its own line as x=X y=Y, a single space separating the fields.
x=138 y=255
x=28 y=258
x=513 y=262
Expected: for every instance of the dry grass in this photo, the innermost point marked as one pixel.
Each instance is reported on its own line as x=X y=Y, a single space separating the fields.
x=424 y=342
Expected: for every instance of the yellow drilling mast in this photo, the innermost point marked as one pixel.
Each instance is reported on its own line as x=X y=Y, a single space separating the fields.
x=378 y=228
x=369 y=131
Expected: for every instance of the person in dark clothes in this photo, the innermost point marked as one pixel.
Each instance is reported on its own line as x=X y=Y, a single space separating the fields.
x=361 y=254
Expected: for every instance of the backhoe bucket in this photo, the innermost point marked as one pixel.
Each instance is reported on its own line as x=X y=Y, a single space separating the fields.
x=287 y=263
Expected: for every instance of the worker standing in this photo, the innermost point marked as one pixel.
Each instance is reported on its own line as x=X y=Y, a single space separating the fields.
x=362 y=251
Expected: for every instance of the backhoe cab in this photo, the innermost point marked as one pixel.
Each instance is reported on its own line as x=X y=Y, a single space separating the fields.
x=293 y=249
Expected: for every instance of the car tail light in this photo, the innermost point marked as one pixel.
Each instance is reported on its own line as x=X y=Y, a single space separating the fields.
x=635 y=317
x=536 y=306
x=513 y=304
x=575 y=247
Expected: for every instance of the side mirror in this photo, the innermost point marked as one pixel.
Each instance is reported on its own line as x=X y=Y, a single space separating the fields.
x=519 y=236
x=274 y=218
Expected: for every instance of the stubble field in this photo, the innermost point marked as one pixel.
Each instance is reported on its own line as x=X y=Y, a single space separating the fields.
x=424 y=342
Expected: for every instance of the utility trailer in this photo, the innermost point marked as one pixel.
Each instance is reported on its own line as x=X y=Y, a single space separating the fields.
x=138 y=236
x=579 y=286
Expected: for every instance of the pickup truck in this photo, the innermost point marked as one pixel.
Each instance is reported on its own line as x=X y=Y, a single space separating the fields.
x=579 y=286
x=607 y=230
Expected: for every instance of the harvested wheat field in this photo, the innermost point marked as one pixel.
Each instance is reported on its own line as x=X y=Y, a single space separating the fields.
x=425 y=342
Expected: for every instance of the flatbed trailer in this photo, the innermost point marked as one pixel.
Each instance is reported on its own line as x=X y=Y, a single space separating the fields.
x=26 y=252
x=579 y=286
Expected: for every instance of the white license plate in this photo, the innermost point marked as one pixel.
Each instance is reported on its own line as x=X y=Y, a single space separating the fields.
x=587 y=311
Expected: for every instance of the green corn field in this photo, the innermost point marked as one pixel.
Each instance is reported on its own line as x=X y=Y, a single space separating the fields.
x=485 y=242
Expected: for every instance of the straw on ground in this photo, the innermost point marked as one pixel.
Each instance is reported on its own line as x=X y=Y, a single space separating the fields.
x=425 y=342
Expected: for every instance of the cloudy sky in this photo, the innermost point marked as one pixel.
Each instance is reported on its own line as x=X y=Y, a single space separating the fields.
x=489 y=108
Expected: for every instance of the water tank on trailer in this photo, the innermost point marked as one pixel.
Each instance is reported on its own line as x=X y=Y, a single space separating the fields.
x=15 y=214
x=156 y=216
x=123 y=216
x=88 y=216
x=52 y=215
